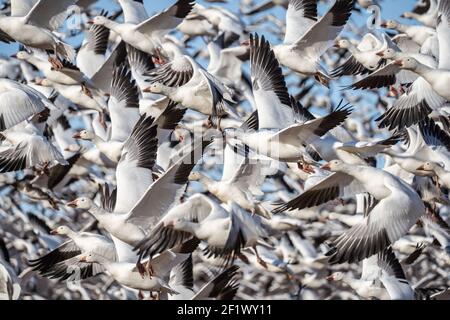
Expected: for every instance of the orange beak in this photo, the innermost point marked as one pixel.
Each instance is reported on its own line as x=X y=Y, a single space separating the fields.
x=169 y=224
x=380 y=54
x=326 y=166
x=72 y=204
x=245 y=42
x=398 y=63
x=77 y=136
x=90 y=21
x=148 y=89
x=82 y=259
x=330 y=278
x=54 y=231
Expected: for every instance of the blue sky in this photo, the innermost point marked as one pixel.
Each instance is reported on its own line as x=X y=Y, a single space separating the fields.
x=390 y=9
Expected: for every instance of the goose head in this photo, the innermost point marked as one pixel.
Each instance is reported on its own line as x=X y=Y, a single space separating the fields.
x=194 y=176
x=407 y=15
x=61 y=230
x=407 y=63
x=99 y=20
x=21 y=55
x=334 y=165
x=337 y=276
x=388 y=53
x=155 y=87
x=84 y=135
x=429 y=166
x=81 y=203
x=390 y=24
x=343 y=44
x=178 y=224
x=89 y=258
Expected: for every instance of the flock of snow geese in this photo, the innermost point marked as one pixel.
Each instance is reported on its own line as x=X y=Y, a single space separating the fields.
x=201 y=153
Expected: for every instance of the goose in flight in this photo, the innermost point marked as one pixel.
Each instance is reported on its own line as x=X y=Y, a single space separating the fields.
x=35 y=29
x=397 y=209
x=307 y=37
x=147 y=35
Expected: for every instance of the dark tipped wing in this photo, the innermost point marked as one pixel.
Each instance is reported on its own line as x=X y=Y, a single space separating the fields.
x=384 y=77
x=142 y=144
x=46 y=263
x=300 y=16
x=107 y=198
x=332 y=187
x=167 y=20
x=224 y=285
x=269 y=87
x=173 y=74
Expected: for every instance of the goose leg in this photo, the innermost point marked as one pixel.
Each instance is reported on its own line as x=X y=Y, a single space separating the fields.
x=102 y=119
x=55 y=61
x=140 y=295
x=158 y=59
x=86 y=90
x=258 y=258
x=302 y=165
x=149 y=268
x=141 y=269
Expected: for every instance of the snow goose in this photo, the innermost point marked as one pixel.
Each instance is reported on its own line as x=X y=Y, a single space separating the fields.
x=427 y=18
x=146 y=35
x=75 y=93
x=419 y=100
x=286 y=144
x=63 y=262
x=130 y=227
x=25 y=146
x=92 y=53
x=200 y=217
x=34 y=29
x=225 y=232
x=18 y=102
x=363 y=58
x=124 y=99
x=438 y=170
x=379 y=270
x=397 y=209
x=129 y=275
x=188 y=84
x=418 y=34
x=240 y=181
x=307 y=38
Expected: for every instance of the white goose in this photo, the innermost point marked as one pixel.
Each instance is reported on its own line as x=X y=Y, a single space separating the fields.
x=34 y=29
x=307 y=38
x=273 y=139
x=363 y=58
x=225 y=232
x=25 y=146
x=188 y=84
x=130 y=226
x=63 y=262
x=18 y=102
x=418 y=34
x=146 y=35
x=129 y=275
x=397 y=209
